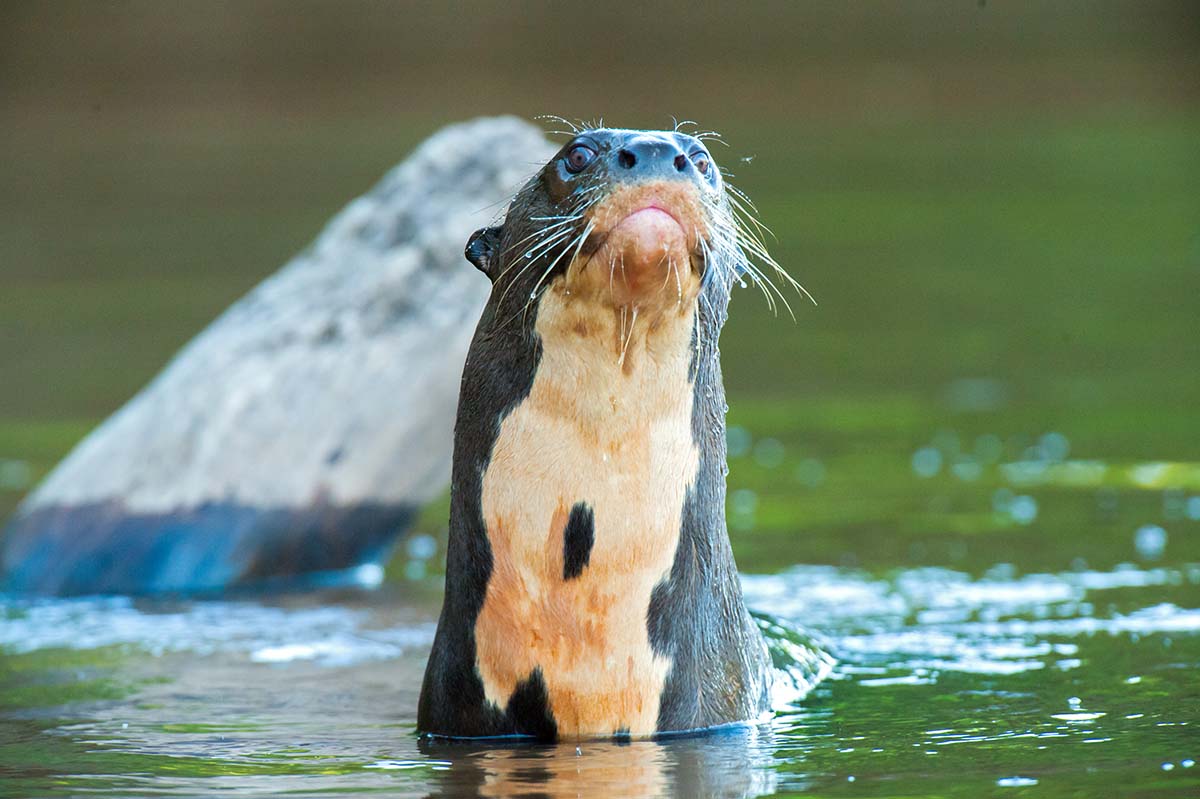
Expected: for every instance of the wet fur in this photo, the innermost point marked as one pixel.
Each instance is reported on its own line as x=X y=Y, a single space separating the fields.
x=578 y=424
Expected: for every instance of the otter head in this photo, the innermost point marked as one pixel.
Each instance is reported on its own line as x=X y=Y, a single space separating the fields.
x=632 y=223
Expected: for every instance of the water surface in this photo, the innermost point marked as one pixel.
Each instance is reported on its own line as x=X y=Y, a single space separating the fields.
x=948 y=685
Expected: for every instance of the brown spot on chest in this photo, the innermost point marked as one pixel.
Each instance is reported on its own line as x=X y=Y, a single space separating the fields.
x=591 y=431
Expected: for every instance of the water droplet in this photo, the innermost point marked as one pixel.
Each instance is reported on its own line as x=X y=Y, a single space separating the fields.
x=1193 y=509
x=810 y=472
x=1016 y=782
x=967 y=469
x=369 y=575
x=1107 y=503
x=927 y=462
x=768 y=453
x=1001 y=572
x=1168 y=766
x=1024 y=509
x=1054 y=446
x=421 y=546
x=744 y=501
x=1150 y=541
x=737 y=440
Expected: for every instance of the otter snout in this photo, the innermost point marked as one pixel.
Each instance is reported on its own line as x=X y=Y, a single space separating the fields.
x=644 y=248
x=644 y=244
x=653 y=158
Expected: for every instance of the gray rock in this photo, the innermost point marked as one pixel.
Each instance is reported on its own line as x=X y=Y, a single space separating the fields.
x=301 y=431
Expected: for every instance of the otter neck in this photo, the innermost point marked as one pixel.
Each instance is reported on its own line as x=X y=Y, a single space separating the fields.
x=619 y=366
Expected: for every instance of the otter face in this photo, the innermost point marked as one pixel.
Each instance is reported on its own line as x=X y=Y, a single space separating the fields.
x=633 y=221
x=649 y=226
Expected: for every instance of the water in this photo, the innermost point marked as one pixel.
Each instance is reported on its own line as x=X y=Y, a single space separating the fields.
x=945 y=684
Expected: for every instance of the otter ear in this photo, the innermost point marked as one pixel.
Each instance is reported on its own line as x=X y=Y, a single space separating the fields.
x=483 y=250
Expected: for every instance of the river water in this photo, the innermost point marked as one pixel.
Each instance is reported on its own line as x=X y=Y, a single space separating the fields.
x=1079 y=683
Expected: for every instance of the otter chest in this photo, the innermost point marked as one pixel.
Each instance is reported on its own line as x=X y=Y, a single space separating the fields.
x=582 y=500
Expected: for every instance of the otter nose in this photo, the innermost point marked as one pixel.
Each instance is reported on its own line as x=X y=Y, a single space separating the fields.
x=647 y=157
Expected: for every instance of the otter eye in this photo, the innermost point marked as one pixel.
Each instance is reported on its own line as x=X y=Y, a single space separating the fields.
x=578 y=157
x=700 y=159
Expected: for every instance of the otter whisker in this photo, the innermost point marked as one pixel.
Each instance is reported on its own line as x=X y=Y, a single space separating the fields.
x=534 y=253
x=557 y=221
x=583 y=237
x=529 y=260
x=678 y=282
x=523 y=312
x=742 y=196
x=627 y=339
x=706 y=255
x=710 y=135
x=767 y=287
x=621 y=333
x=759 y=250
x=544 y=233
x=670 y=263
x=577 y=243
x=539 y=248
x=556 y=118
x=743 y=227
x=745 y=214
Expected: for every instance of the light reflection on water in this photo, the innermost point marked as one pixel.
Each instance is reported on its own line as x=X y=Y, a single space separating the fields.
x=1051 y=682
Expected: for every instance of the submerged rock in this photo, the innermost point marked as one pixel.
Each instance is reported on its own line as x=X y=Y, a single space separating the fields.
x=302 y=430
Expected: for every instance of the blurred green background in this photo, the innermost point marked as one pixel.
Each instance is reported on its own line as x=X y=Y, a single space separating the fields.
x=996 y=205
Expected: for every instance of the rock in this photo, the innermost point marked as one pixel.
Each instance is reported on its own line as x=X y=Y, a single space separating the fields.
x=299 y=434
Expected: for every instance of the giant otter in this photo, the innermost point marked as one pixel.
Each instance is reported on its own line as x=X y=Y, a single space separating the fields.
x=590 y=586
